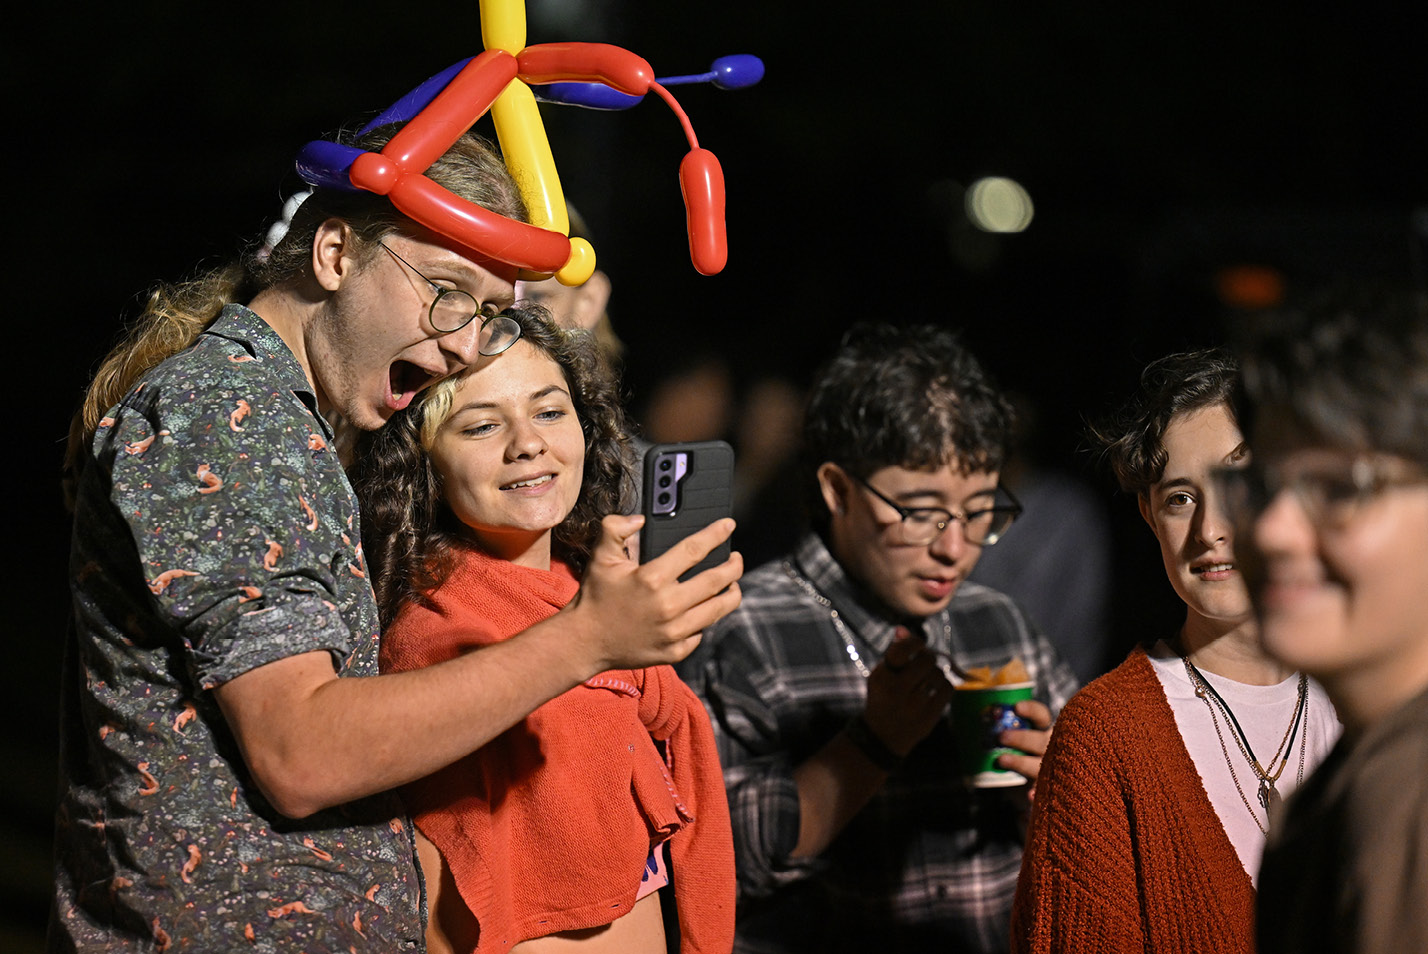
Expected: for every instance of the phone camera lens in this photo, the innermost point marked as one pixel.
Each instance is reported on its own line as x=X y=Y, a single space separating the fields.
x=665 y=480
x=663 y=498
x=666 y=464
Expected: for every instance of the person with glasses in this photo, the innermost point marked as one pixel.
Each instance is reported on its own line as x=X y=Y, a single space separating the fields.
x=1334 y=510
x=829 y=686
x=1164 y=774
x=226 y=786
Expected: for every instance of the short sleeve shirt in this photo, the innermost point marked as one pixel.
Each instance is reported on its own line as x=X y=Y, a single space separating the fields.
x=214 y=532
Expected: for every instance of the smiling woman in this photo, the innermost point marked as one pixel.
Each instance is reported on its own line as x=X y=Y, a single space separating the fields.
x=482 y=503
x=405 y=472
x=1161 y=778
x=509 y=454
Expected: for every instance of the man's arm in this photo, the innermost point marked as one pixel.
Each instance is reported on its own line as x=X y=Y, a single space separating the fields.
x=313 y=740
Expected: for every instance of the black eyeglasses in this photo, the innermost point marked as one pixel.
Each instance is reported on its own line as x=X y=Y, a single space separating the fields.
x=1329 y=495
x=453 y=309
x=922 y=525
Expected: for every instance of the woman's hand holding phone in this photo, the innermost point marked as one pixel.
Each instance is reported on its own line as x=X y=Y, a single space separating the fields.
x=629 y=614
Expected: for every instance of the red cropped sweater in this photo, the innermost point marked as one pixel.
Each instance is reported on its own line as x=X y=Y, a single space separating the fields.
x=548 y=827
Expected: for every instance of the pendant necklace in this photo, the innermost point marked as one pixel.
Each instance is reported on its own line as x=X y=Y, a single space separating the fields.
x=1267 y=775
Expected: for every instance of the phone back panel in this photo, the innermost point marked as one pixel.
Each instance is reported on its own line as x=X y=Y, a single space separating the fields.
x=701 y=495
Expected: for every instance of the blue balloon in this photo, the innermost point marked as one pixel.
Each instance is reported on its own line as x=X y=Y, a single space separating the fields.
x=418 y=99
x=322 y=163
x=589 y=95
x=737 y=71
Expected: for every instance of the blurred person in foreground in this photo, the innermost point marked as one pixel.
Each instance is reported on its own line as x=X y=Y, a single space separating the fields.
x=1335 y=509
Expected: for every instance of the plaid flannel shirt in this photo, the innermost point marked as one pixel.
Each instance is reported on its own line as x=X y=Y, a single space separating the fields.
x=928 y=864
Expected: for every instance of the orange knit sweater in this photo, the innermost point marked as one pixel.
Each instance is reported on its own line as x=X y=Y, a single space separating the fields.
x=548 y=827
x=1125 y=852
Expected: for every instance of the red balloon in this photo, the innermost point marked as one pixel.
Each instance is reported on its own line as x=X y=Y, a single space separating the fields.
x=562 y=62
x=491 y=234
x=701 y=179
x=453 y=111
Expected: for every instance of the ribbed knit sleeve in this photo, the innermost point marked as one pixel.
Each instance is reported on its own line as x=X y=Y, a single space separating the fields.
x=1077 y=890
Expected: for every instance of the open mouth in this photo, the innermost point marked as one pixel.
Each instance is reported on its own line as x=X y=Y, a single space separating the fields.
x=1214 y=569
x=405 y=380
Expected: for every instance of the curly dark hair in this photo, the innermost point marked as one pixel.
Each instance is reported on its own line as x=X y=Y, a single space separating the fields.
x=410 y=536
x=905 y=397
x=1345 y=367
x=1132 y=437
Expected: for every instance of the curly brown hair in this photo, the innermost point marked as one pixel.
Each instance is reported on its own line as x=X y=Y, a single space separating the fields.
x=409 y=534
x=1132 y=438
x=902 y=396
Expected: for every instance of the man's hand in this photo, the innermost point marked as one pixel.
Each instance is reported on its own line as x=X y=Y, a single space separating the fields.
x=1031 y=741
x=907 y=694
x=630 y=615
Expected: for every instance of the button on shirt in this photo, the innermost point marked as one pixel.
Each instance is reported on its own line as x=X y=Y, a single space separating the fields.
x=214 y=532
x=928 y=864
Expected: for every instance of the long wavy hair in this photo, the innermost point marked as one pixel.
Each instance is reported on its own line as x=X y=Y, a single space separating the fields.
x=410 y=536
x=177 y=313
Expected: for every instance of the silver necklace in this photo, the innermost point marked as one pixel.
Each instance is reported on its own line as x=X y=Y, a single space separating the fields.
x=1268 y=791
x=856 y=657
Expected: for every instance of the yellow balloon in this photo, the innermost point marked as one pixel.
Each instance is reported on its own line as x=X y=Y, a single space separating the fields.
x=527 y=151
x=503 y=25
x=580 y=266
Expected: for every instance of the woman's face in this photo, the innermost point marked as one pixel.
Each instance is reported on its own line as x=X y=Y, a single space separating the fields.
x=511 y=453
x=1189 y=521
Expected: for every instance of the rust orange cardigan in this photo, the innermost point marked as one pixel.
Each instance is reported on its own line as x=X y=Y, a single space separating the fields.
x=1126 y=853
x=548 y=827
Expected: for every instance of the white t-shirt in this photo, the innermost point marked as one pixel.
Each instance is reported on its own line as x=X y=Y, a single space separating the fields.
x=1264 y=712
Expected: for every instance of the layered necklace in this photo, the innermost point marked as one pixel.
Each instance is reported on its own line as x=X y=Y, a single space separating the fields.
x=1267 y=774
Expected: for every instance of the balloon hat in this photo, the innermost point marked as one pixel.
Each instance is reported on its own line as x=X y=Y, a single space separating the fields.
x=499 y=79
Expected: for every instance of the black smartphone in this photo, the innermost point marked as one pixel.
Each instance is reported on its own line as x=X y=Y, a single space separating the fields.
x=686 y=488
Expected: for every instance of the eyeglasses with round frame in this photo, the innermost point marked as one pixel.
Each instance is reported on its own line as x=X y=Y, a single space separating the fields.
x=453 y=309
x=922 y=525
x=1330 y=498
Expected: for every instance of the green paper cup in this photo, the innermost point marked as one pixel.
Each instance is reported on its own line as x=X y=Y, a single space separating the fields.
x=979 y=716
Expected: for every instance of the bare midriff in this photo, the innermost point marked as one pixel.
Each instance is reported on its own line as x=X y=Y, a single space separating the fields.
x=451 y=928
x=639 y=932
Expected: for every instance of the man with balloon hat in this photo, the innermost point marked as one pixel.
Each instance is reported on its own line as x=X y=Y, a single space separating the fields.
x=228 y=747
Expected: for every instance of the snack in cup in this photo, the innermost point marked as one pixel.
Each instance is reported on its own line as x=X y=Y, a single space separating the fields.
x=983 y=707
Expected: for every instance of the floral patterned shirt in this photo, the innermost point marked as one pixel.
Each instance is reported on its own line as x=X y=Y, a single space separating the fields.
x=214 y=532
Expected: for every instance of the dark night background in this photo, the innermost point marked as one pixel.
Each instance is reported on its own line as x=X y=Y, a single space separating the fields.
x=1160 y=143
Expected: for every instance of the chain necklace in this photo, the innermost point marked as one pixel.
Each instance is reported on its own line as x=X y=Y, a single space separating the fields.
x=1268 y=793
x=807 y=586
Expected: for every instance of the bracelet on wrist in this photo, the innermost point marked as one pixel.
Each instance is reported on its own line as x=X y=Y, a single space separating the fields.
x=866 y=741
